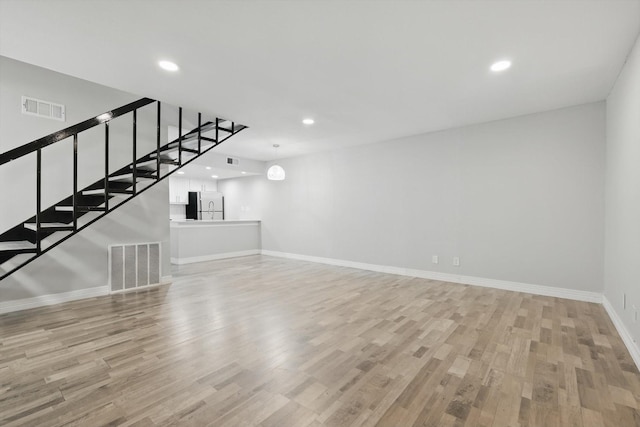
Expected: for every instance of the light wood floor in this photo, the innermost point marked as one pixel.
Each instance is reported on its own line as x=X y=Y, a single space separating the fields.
x=273 y=342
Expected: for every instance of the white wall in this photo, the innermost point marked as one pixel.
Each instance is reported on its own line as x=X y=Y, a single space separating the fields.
x=622 y=243
x=82 y=261
x=520 y=200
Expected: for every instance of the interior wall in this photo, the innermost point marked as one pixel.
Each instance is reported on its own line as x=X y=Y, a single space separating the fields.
x=82 y=261
x=622 y=244
x=519 y=200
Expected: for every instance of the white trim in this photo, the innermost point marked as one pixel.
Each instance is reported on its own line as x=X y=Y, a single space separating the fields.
x=43 y=300
x=454 y=278
x=164 y=280
x=628 y=340
x=213 y=257
x=137 y=288
x=216 y=223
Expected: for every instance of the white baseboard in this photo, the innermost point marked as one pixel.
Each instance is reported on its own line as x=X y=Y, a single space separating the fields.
x=454 y=278
x=632 y=346
x=44 y=300
x=164 y=280
x=39 y=301
x=191 y=260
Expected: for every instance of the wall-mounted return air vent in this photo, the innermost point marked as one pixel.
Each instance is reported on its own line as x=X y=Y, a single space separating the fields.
x=45 y=109
x=133 y=265
x=231 y=161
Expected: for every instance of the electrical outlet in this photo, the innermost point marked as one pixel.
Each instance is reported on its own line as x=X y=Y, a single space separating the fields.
x=456 y=261
x=434 y=259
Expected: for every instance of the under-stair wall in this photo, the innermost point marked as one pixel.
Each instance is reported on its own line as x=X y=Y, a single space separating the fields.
x=61 y=275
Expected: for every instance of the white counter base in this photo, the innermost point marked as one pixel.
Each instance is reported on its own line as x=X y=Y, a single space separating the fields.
x=213 y=257
x=199 y=241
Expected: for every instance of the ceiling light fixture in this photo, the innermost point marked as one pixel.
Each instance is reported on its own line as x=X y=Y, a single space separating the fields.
x=168 y=65
x=496 y=67
x=180 y=172
x=208 y=168
x=214 y=176
x=243 y=173
x=276 y=172
x=308 y=121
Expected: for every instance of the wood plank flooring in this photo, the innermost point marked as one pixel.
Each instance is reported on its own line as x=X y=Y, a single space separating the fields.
x=261 y=341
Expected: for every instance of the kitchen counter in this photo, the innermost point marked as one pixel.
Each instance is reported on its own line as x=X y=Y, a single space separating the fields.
x=206 y=240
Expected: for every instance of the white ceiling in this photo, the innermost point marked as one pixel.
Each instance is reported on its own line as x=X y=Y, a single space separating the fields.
x=365 y=71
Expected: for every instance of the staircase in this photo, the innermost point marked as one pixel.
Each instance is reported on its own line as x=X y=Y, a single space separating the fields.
x=54 y=224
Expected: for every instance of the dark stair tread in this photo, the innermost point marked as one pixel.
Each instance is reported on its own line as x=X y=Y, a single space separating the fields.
x=49 y=226
x=80 y=208
x=128 y=177
x=94 y=192
x=91 y=209
x=147 y=166
x=100 y=191
x=17 y=245
x=169 y=162
x=163 y=156
x=190 y=150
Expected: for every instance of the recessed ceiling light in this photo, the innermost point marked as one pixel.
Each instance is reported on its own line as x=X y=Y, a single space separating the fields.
x=168 y=65
x=243 y=172
x=208 y=168
x=180 y=172
x=308 y=121
x=500 y=66
x=214 y=176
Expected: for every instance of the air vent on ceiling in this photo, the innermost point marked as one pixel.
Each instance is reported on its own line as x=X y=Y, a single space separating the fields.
x=231 y=161
x=45 y=109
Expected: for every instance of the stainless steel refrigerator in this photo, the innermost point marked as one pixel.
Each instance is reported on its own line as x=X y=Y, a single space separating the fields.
x=206 y=205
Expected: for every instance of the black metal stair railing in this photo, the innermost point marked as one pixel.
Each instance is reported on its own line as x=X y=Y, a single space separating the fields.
x=27 y=237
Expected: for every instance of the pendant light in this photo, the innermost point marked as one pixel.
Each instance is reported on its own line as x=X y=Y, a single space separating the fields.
x=275 y=172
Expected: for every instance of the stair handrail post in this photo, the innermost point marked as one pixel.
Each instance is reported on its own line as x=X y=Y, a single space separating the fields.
x=135 y=150
x=106 y=167
x=38 y=199
x=75 y=182
x=199 y=133
x=158 y=131
x=179 y=136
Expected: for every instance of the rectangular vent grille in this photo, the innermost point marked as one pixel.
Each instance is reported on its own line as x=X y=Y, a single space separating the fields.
x=45 y=109
x=134 y=266
x=232 y=161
